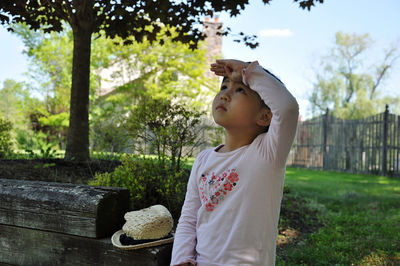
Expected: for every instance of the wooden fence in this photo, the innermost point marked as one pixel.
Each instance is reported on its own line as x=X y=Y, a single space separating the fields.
x=369 y=145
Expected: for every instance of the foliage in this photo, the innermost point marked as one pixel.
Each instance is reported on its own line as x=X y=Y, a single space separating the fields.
x=13 y=102
x=45 y=152
x=171 y=128
x=108 y=136
x=23 y=112
x=139 y=19
x=15 y=105
x=149 y=69
x=106 y=156
x=344 y=86
x=36 y=145
x=50 y=69
x=359 y=214
x=139 y=71
x=5 y=138
x=149 y=182
x=50 y=56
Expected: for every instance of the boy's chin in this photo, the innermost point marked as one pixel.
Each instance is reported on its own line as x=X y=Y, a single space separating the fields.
x=224 y=126
x=219 y=123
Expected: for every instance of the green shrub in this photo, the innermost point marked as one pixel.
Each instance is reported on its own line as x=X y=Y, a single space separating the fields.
x=5 y=138
x=149 y=182
x=36 y=144
x=171 y=129
x=107 y=135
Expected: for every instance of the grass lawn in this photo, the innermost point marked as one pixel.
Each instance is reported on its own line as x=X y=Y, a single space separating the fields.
x=360 y=216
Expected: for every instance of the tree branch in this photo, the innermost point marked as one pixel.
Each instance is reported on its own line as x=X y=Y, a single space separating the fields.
x=71 y=15
x=385 y=68
x=59 y=8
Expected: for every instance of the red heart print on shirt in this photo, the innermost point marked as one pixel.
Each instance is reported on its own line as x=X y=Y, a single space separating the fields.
x=214 y=188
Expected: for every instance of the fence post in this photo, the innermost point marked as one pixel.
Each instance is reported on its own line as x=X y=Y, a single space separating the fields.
x=325 y=139
x=385 y=135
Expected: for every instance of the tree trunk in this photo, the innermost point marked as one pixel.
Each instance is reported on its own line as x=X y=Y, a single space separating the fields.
x=78 y=132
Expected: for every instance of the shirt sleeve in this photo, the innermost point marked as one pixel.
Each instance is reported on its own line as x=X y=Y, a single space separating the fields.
x=185 y=239
x=276 y=143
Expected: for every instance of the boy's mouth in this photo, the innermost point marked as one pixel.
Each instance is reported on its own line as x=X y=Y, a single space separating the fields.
x=220 y=107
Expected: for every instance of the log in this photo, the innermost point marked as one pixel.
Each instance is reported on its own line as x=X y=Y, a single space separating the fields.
x=23 y=246
x=80 y=210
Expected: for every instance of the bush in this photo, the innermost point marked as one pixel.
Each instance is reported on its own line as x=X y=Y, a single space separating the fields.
x=107 y=136
x=149 y=181
x=36 y=144
x=5 y=138
x=172 y=129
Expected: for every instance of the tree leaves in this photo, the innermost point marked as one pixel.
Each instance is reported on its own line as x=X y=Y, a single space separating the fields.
x=308 y=3
x=127 y=18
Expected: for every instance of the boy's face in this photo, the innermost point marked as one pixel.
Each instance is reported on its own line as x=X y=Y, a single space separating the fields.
x=236 y=106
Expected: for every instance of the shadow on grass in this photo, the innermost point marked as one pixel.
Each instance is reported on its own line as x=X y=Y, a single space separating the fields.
x=297 y=221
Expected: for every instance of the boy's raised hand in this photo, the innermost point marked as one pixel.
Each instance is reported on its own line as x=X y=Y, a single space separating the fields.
x=229 y=68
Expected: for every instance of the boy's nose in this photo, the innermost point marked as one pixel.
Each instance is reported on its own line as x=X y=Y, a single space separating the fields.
x=225 y=96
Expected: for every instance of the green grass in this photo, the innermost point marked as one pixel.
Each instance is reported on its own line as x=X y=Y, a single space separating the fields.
x=360 y=216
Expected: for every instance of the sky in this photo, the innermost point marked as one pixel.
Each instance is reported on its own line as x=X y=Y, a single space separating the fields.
x=292 y=40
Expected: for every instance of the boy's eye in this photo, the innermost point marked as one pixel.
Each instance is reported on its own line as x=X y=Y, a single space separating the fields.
x=223 y=88
x=240 y=90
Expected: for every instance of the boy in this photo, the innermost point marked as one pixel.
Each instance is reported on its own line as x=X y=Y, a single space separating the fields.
x=231 y=210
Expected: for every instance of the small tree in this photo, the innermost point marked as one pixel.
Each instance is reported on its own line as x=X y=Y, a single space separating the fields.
x=169 y=127
x=346 y=87
x=13 y=102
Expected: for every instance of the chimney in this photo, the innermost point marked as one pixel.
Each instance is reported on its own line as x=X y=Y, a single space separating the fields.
x=212 y=28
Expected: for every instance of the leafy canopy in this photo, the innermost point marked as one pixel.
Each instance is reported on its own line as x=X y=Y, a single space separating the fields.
x=125 y=18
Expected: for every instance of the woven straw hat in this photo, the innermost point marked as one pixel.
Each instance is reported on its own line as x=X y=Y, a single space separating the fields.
x=147 y=227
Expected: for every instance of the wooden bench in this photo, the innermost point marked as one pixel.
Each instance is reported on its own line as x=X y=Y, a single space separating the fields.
x=45 y=223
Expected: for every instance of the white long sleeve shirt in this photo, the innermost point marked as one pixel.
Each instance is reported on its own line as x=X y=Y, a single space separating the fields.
x=231 y=210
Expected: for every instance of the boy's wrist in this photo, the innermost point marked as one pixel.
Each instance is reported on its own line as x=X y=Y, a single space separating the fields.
x=237 y=70
x=246 y=72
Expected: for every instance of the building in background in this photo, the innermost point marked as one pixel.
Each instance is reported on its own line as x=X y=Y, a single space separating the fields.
x=119 y=73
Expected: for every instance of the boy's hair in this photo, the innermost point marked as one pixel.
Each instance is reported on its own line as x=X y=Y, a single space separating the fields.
x=262 y=102
x=274 y=76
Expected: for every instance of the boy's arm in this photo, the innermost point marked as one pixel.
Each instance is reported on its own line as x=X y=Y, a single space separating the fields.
x=185 y=239
x=285 y=112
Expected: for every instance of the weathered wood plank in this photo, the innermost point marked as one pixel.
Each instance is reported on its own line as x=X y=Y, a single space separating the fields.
x=67 y=208
x=23 y=246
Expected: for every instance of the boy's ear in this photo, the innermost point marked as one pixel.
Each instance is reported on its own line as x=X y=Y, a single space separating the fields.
x=264 y=117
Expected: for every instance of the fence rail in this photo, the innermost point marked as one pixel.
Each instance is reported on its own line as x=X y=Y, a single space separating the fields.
x=369 y=145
